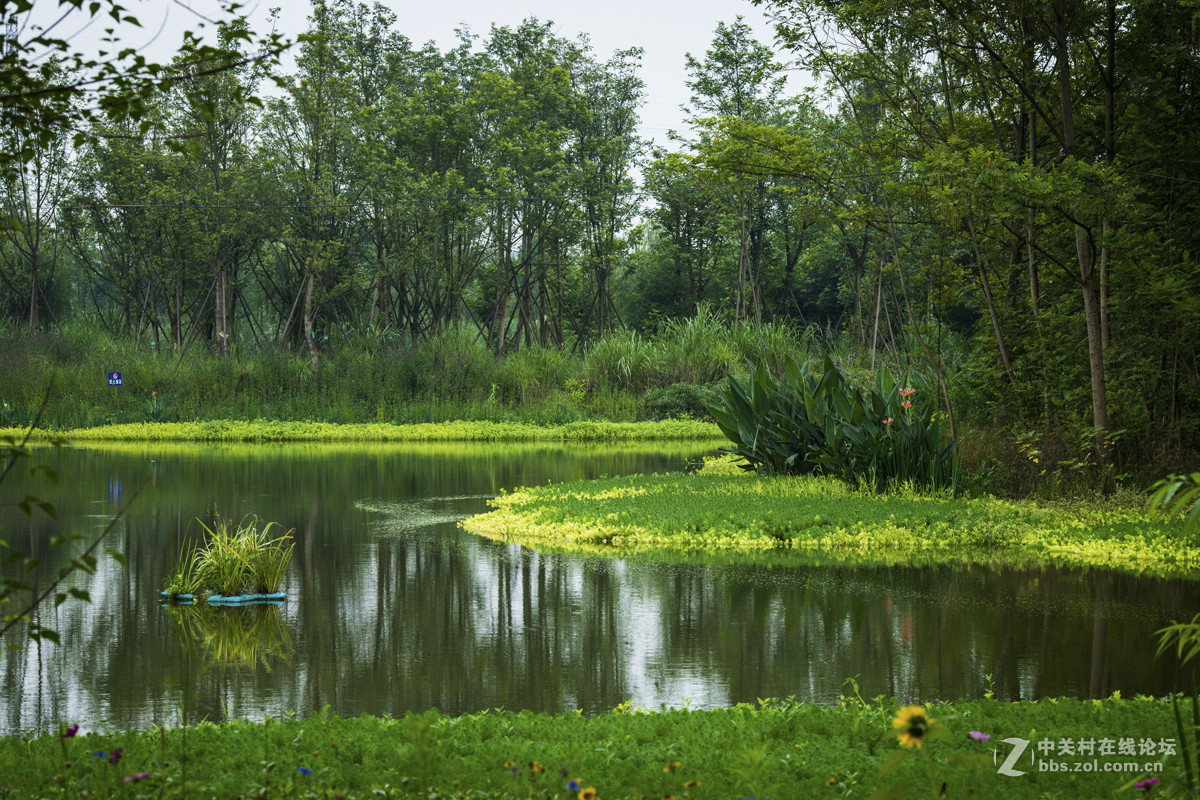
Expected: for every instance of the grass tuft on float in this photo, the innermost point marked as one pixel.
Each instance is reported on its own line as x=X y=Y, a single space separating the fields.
x=232 y=562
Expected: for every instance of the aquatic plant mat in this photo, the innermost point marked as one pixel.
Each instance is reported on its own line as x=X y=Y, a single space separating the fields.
x=778 y=749
x=724 y=515
x=277 y=431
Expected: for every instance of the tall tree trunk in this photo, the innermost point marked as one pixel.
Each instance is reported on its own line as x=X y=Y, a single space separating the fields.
x=1083 y=246
x=991 y=305
x=33 y=293
x=220 y=309
x=1110 y=89
x=310 y=313
x=740 y=305
x=500 y=309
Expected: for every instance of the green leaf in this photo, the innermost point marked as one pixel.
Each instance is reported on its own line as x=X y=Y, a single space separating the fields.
x=896 y=759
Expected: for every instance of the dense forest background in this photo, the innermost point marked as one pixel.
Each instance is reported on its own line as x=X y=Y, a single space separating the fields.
x=1001 y=195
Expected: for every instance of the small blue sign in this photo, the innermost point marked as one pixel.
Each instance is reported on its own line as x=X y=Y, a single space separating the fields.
x=114 y=379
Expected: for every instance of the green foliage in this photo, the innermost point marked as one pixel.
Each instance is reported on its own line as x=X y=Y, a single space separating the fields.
x=679 y=399
x=1174 y=494
x=776 y=748
x=244 y=560
x=621 y=360
x=699 y=350
x=808 y=421
x=808 y=520
x=454 y=362
x=186 y=579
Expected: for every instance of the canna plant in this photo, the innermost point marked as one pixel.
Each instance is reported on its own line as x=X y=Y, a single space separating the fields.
x=813 y=420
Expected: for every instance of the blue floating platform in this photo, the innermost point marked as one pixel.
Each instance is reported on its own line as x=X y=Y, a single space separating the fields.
x=270 y=598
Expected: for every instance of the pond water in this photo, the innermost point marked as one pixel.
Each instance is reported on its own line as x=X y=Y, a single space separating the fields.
x=393 y=608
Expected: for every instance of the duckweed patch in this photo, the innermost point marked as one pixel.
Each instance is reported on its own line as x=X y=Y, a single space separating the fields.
x=777 y=748
x=477 y=431
x=807 y=520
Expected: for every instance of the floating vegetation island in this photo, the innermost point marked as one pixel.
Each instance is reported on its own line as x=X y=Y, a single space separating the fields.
x=233 y=566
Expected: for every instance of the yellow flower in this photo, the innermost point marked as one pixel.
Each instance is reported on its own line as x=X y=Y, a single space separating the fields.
x=831 y=782
x=691 y=784
x=674 y=765
x=588 y=794
x=911 y=726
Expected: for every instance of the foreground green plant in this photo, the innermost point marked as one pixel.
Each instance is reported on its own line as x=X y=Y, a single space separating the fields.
x=813 y=420
x=776 y=748
x=1174 y=494
x=812 y=520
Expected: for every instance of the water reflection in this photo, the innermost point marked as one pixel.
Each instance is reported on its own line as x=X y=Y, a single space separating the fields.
x=392 y=608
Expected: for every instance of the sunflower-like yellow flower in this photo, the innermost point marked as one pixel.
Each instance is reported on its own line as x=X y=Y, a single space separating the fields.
x=588 y=794
x=912 y=725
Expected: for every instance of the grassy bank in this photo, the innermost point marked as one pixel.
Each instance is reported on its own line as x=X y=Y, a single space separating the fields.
x=480 y=431
x=807 y=520
x=778 y=749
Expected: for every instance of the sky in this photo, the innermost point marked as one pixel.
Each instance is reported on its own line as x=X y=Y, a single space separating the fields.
x=666 y=30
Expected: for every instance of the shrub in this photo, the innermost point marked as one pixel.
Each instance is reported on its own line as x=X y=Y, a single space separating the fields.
x=679 y=399
x=454 y=363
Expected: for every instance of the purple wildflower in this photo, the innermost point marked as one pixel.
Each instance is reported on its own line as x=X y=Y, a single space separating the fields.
x=141 y=776
x=1146 y=784
x=115 y=758
x=69 y=732
x=979 y=736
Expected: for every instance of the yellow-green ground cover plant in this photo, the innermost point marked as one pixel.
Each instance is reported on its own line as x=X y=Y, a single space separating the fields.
x=778 y=749
x=725 y=513
x=460 y=431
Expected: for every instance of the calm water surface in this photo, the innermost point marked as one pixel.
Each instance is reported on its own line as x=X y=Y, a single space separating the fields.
x=392 y=608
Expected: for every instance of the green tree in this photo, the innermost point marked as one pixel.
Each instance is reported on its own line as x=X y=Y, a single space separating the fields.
x=739 y=78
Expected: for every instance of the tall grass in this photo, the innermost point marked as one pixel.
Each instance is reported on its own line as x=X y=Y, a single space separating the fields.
x=699 y=350
x=377 y=376
x=622 y=360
